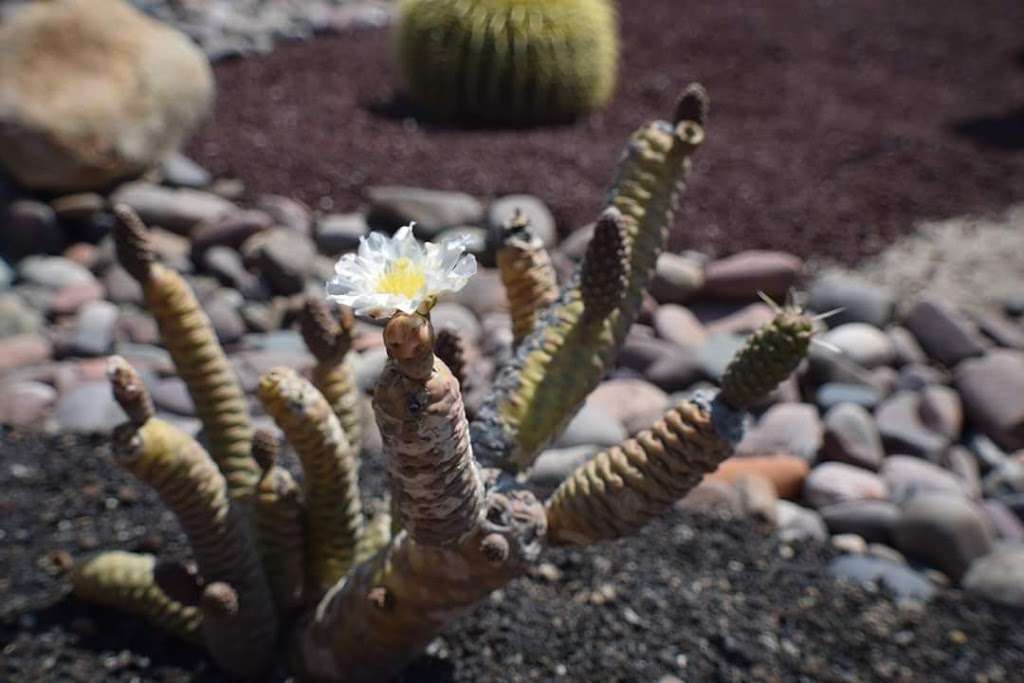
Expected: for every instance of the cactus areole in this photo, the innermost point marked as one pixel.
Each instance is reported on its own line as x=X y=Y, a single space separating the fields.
x=353 y=596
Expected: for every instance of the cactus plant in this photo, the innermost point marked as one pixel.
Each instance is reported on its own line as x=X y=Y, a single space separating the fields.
x=509 y=62
x=360 y=599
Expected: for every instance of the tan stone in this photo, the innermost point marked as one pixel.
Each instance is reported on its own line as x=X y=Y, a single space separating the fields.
x=92 y=91
x=786 y=472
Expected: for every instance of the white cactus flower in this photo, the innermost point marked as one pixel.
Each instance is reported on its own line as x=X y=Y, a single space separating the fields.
x=397 y=273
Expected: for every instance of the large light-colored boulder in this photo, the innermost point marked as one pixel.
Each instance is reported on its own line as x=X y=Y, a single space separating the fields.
x=92 y=91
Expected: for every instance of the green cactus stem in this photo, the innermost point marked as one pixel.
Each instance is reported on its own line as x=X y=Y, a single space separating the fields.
x=189 y=336
x=278 y=515
x=623 y=488
x=334 y=515
x=190 y=485
x=527 y=273
x=376 y=534
x=770 y=355
x=390 y=607
x=569 y=350
x=507 y=62
x=436 y=486
x=330 y=340
x=126 y=581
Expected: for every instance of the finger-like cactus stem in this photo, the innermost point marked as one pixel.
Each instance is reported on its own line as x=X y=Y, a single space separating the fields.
x=388 y=609
x=190 y=338
x=435 y=482
x=527 y=273
x=129 y=391
x=125 y=581
x=376 y=534
x=131 y=240
x=334 y=514
x=769 y=356
x=604 y=276
x=625 y=487
x=179 y=582
x=569 y=350
x=278 y=515
x=329 y=340
x=189 y=483
x=450 y=349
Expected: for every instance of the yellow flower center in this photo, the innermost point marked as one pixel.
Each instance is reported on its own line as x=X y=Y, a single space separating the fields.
x=402 y=277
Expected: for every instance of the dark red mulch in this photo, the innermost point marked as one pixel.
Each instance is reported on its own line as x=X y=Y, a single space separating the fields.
x=700 y=598
x=835 y=124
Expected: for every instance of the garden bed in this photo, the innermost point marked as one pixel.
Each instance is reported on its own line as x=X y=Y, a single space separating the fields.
x=835 y=126
x=699 y=598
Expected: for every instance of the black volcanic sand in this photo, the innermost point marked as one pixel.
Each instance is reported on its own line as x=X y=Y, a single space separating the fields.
x=699 y=598
x=835 y=125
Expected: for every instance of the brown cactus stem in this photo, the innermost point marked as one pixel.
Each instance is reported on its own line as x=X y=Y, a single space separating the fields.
x=330 y=340
x=334 y=516
x=278 y=516
x=623 y=488
x=526 y=271
x=190 y=339
x=375 y=623
x=127 y=581
x=450 y=348
x=435 y=483
x=129 y=391
x=189 y=483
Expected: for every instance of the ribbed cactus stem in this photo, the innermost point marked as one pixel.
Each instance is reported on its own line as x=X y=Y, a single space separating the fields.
x=329 y=339
x=129 y=391
x=390 y=607
x=604 y=278
x=527 y=273
x=376 y=534
x=331 y=484
x=436 y=486
x=450 y=348
x=625 y=487
x=570 y=349
x=126 y=581
x=189 y=483
x=278 y=516
x=132 y=242
x=189 y=336
x=769 y=356
x=509 y=61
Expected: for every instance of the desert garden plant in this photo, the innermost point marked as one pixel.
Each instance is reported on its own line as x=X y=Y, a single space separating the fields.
x=509 y=62
x=300 y=573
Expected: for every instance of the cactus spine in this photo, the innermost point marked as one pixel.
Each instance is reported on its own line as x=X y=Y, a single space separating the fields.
x=509 y=62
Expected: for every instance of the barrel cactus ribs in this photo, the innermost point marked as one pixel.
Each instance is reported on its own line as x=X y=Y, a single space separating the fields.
x=509 y=62
x=300 y=577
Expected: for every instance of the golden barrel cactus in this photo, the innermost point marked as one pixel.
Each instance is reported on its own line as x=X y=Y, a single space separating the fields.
x=509 y=62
